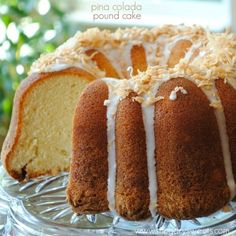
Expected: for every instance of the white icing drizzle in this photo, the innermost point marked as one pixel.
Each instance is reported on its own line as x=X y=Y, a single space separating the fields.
x=191 y=50
x=232 y=82
x=212 y=95
x=148 y=113
x=89 y=66
x=220 y=117
x=148 y=120
x=127 y=58
x=130 y=69
x=112 y=54
x=111 y=104
x=150 y=51
x=169 y=46
x=173 y=94
x=60 y=66
x=119 y=57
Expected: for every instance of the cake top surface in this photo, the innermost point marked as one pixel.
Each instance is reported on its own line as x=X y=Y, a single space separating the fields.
x=216 y=59
x=211 y=56
x=72 y=52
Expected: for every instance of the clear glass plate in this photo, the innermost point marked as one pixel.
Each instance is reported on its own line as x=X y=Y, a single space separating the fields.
x=39 y=207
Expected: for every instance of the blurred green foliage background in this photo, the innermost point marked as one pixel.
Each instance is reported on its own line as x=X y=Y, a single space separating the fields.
x=27 y=29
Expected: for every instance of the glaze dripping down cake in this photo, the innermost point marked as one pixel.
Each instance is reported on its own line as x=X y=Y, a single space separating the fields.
x=156 y=138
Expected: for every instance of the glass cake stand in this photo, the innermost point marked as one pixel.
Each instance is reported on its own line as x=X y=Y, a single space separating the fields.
x=39 y=207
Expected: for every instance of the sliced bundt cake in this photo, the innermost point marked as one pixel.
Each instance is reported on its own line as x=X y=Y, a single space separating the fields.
x=39 y=139
x=160 y=142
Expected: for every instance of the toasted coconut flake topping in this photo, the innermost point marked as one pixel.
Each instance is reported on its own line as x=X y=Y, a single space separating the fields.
x=217 y=59
x=72 y=52
x=212 y=56
x=173 y=94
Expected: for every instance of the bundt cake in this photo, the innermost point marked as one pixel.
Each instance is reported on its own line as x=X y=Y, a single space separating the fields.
x=161 y=142
x=154 y=134
x=39 y=138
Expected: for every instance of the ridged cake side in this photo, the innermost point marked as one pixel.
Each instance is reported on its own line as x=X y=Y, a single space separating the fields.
x=191 y=176
x=131 y=192
x=194 y=153
x=87 y=188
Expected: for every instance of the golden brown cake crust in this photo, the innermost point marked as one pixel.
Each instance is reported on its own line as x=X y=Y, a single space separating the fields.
x=87 y=188
x=190 y=167
x=132 y=194
x=16 y=121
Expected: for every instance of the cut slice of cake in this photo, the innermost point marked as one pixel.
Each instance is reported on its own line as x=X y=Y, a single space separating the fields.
x=39 y=139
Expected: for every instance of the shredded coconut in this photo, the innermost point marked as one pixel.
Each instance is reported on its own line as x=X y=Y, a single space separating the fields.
x=173 y=94
x=212 y=56
x=73 y=51
x=130 y=69
x=106 y=102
